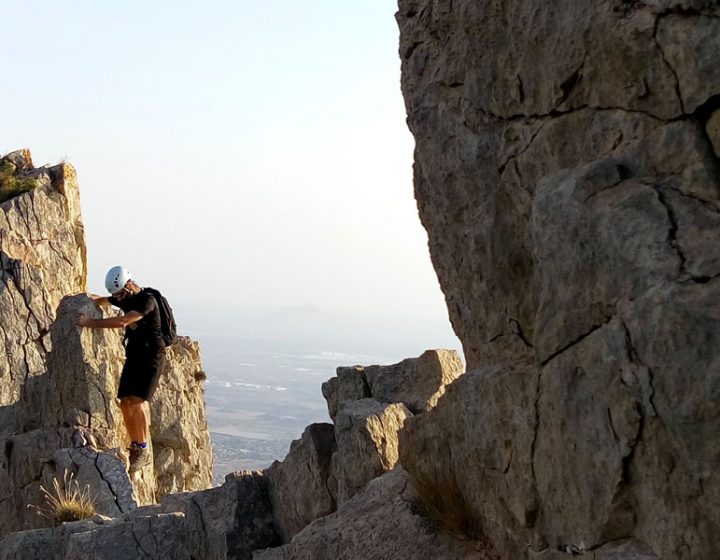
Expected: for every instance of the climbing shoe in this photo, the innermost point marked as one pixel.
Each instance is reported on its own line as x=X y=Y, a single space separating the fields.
x=139 y=457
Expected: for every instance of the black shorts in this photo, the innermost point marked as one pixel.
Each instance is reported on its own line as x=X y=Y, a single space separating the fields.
x=141 y=372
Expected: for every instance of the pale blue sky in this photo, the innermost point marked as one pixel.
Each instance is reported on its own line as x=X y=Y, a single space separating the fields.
x=253 y=154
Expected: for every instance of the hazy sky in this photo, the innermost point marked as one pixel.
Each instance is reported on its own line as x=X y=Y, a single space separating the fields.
x=253 y=154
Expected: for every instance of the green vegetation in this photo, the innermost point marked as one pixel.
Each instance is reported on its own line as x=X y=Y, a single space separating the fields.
x=68 y=502
x=11 y=184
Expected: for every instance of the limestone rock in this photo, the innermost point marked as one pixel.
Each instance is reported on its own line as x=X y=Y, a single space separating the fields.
x=152 y=537
x=302 y=486
x=418 y=383
x=82 y=376
x=379 y=523
x=178 y=424
x=26 y=464
x=58 y=383
x=70 y=406
x=42 y=259
x=366 y=433
x=104 y=473
x=227 y=522
x=477 y=446
x=79 y=390
x=349 y=384
x=566 y=175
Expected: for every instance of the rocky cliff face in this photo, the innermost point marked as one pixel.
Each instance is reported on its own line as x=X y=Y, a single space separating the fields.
x=566 y=170
x=42 y=259
x=339 y=493
x=567 y=167
x=58 y=383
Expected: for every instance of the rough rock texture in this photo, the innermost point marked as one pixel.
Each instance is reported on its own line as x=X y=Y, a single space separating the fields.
x=104 y=473
x=62 y=411
x=366 y=432
x=227 y=522
x=349 y=384
x=332 y=463
x=59 y=383
x=159 y=536
x=42 y=259
x=380 y=523
x=302 y=487
x=565 y=173
x=178 y=425
x=478 y=443
x=416 y=382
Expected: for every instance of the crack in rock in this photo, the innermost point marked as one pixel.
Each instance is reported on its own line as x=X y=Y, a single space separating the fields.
x=575 y=341
x=634 y=357
x=520 y=334
x=669 y=66
x=525 y=148
x=106 y=481
x=672 y=232
x=569 y=84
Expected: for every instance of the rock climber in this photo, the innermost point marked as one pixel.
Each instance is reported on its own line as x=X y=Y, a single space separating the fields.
x=144 y=354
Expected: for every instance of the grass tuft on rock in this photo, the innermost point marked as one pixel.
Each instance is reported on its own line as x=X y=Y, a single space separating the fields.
x=67 y=502
x=11 y=184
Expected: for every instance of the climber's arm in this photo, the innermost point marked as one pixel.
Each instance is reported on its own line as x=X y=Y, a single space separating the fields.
x=102 y=301
x=82 y=320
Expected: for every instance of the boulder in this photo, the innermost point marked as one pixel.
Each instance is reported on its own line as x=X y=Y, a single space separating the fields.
x=178 y=424
x=418 y=383
x=366 y=433
x=230 y=521
x=349 y=384
x=381 y=522
x=103 y=473
x=476 y=448
x=151 y=537
x=302 y=487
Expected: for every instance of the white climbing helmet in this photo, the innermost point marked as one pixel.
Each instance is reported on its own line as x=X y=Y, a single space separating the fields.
x=116 y=278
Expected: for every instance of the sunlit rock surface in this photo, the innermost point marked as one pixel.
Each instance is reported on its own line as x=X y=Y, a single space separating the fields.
x=42 y=259
x=566 y=171
x=418 y=383
x=58 y=383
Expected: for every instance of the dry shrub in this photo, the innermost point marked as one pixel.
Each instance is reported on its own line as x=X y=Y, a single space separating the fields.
x=11 y=184
x=441 y=500
x=68 y=502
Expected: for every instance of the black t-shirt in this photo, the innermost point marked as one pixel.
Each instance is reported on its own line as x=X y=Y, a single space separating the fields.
x=147 y=330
